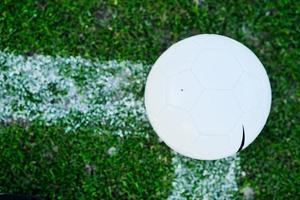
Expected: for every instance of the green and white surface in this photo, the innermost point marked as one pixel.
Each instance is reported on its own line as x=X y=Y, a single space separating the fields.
x=73 y=123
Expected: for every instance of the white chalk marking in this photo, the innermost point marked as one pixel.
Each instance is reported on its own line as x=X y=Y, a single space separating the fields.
x=73 y=92
x=196 y=179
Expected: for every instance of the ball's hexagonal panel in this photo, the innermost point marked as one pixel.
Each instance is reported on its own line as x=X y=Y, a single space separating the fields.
x=249 y=61
x=216 y=112
x=179 y=56
x=212 y=147
x=252 y=66
x=177 y=129
x=217 y=69
x=248 y=92
x=266 y=97
x=183 y=90
x=237 y=137
x=227 y=116
x=155 y=92
x=213 y=42
x=253 y=123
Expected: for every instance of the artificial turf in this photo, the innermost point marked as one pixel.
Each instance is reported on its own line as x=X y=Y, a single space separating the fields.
x=141 y=31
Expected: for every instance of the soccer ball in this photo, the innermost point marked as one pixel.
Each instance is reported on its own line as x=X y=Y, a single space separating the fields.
x=208 y=97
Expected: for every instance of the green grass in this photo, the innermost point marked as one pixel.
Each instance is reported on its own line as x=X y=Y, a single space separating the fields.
x=44 y=161
x=138 y=30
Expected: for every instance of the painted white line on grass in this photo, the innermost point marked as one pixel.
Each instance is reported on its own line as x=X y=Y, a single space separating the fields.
x=204 y=179
x=75 y=92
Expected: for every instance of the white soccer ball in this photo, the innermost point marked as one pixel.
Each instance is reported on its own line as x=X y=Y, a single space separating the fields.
x=208 y=97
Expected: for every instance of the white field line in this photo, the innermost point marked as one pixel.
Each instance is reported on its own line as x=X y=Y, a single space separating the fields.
x=196 y=179
x=75 y=92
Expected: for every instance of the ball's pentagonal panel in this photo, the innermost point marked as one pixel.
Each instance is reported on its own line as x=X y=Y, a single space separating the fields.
x=209 y=69
x=248 y=92
x=183 y=90
x=183 y=135
x=155 y=95
x=216 y=112
x=178 y=58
